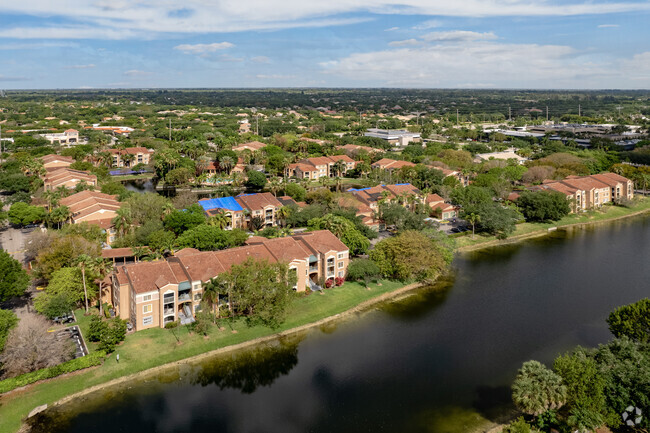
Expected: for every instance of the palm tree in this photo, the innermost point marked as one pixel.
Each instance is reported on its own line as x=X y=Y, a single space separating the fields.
x=101 y=267
x=282 y=214
x=220 y=219
x=211 y=291
x=338 y=182
x=256 y=223
x=339 y=167
x=52 y=198
x=227 y=163
x=84 y=261
x=167 y=208
x=60 y=215
x=127 y=158
x=473 y=219
x=123 y=220
x=275 y=185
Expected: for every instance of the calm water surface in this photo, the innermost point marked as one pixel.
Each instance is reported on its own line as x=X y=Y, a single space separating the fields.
x=441 y=361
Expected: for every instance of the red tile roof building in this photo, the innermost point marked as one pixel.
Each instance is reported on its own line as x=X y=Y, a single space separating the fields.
x=152 y=294
x=320 y=166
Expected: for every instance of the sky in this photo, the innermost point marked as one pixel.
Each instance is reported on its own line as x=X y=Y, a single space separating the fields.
x=532 y=44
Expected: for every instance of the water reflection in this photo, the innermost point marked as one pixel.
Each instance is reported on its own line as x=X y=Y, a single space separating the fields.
x=249 y=370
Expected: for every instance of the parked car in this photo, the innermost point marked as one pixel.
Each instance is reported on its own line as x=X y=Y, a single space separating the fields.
x=66 y=318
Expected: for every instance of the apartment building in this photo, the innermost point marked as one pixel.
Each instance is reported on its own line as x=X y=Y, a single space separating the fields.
x=67 y=178
x=441 y=209
x=94 y=208
x=589 y=192
x=320 y=166
x=252 y=146
x=152 y=294
x=53 y=162
x=244 y=207
x=130 y=156
x=404 y=193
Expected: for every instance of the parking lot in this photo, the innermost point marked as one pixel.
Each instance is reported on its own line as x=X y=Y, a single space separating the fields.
x=74 y=334
x=455 y=226
x=12 y=240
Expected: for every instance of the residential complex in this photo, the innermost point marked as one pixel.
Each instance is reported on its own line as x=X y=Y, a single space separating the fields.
x=391 y=164
x=252 y=146
x=67 y=178
x=94 y=208
x=588 y=192
x=321 y=166
x=53 y=162
x=130 y=156
x=244 y=207
x=152 y=294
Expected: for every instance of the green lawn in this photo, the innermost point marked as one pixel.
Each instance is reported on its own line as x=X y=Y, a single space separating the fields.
x=154 y=347
x=604 y=214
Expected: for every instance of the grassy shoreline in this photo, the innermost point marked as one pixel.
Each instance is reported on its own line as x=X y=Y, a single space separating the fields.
x=146 y=351
x=525 y=231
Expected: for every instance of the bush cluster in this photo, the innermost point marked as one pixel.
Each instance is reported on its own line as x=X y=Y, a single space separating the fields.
x=109 y=333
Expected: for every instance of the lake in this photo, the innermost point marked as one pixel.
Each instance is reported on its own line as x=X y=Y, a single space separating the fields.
x=440 y=361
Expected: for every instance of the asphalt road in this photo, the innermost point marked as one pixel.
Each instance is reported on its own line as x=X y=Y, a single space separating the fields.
x=13 y=241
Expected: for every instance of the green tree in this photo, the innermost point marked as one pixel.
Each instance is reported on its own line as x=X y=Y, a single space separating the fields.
x=180 y=221
x=22 y=214
x=161 y=241
x=363 y=270
x=543 y=205
x=295 y=191
x=261 y=291
x=537 y=389
x=473 y=219
x=632 y=321
x=255 y=180
x=13 y=278
x=343 y=229
x=411 y=255
x=211 y=238
x=8 y=321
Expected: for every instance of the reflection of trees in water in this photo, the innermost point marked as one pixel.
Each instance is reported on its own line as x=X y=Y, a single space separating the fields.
x=422 y=302
x=250 y=369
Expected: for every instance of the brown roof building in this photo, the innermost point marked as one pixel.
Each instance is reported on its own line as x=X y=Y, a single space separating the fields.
x=67 y=178
x=52 y=162
x=320 y=166
x=152 y=294
x=94 y=208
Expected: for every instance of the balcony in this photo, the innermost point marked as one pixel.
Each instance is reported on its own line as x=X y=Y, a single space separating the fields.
x=184 y=297
x=168 y=311
x=313 y=269
x=185 y=316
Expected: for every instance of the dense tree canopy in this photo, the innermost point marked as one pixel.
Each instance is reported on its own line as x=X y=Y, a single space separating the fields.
x=543 y=205
x=13 y=278
x=632 y=321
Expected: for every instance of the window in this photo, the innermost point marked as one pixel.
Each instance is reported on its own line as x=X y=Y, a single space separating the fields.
x=147 y=320
x=147 y=309
x=341 y=274
x=342 y=255
x=146 y=298
x=340 y=265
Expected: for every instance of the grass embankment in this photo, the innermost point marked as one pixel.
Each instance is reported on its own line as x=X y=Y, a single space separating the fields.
x=526 y=230
x=155 y=347
x=124 y=178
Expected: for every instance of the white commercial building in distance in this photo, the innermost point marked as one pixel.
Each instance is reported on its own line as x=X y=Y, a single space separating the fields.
x=397 y=137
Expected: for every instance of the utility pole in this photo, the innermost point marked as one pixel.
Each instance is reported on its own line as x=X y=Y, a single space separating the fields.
x=547 y=113
x=579 y=111
x=257 y=124
x=170 y=129
x=456 y=116
x=509 y=114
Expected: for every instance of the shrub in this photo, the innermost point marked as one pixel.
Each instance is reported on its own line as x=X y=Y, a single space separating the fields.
x=91 y=360
x=329 y=283
x=339 y=281
x=171 y=325
x=108 y=333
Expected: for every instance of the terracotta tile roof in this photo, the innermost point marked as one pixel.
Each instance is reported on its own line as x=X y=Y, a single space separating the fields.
x=402 y=188
x=611 y=179
x=322 y=241
x=343 y=158
x=434 y=198
x=257 y=201
x=253 y=145
x=62 y=175
x=54 y=158
x=186 y=252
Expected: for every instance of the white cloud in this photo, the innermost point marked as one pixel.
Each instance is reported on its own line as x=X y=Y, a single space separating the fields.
x=123 y=19
x=458 y=36
x=482 y=63
x=392 y=29
x=427 y=25
x=203 y=48
x=137 y=73
x=605 y=26
x=260 y=59
x=80 y=66
x=6 y=78
x=36 y=46
x=404 y=43
x=638 y=69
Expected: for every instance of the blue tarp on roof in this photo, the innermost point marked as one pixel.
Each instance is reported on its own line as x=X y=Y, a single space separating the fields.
x=227 y=203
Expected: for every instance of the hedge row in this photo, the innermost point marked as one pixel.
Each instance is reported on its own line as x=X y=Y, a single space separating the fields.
x=95 y=358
